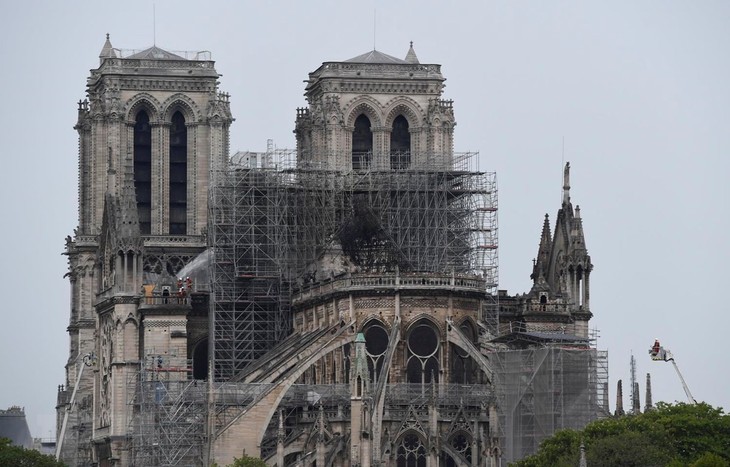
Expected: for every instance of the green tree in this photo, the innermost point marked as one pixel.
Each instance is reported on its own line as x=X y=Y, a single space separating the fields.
x=710 y=460
x=247 y=461
x=18 y=456
x=628 y=449
x=671 y=435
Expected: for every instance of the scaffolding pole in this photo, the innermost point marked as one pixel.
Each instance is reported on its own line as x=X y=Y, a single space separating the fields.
x=169 y=416
x=546 y=389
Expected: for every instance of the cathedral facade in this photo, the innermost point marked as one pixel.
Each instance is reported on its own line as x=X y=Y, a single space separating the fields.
x=338 y=310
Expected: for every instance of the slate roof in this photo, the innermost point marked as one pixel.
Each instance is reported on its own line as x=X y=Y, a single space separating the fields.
x=156 y=53
x=375 y=56
x=14 y=426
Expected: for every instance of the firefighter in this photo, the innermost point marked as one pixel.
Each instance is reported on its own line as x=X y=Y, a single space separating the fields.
x=655 y=348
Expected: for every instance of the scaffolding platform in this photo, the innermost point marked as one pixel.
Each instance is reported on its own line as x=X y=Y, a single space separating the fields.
x=271 y=223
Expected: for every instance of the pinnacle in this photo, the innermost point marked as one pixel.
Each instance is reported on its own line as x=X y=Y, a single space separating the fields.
x=107 y=51
x=411 y=55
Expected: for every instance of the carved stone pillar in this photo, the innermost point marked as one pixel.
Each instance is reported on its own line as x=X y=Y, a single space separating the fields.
x=381 y=148
x=160 y=174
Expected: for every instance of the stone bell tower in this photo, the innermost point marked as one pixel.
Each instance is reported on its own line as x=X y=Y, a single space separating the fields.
x=152 y=130
x=378 y=112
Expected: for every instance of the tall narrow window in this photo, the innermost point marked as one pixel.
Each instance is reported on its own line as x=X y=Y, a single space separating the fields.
x=143 y=171
x=362 y=143
x=200 y=360
x=400 y=144
x=423 y=345
x=178 y=175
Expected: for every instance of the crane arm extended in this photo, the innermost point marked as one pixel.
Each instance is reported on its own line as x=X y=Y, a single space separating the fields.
x=87 y=361
x=684 y=385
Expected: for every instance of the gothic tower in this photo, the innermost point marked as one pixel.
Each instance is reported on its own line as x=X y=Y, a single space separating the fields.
x=375 y=111
x=152 y=129
x=559 y=298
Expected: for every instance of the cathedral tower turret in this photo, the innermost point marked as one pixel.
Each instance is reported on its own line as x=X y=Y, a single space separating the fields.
x=164 y=113
x=376 y=111
x=152 y=130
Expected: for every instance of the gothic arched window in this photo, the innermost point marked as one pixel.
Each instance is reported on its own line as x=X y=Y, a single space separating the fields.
x=463 y=368
x=460 y=443
x=410 y=451
x=423 y=346
x=143 y=171
x=376 y=344
x=362 y=143
x=400 y=144
x=178 y=175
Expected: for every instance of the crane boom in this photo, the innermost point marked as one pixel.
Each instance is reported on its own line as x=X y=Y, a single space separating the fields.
x=87 y=361
x=684 y=385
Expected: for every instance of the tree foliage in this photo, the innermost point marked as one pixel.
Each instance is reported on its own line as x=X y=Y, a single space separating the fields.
x=670 y=435
x=247 y=461
x=18 y=456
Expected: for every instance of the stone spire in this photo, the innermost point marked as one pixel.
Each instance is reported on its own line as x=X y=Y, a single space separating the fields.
x=648 y=406
x=543 y=251
x=128 y=218
x=619 y=400
x=107 y=51
x=411 y=55
x=360 y=374
x=576 y=232
x=583 y=462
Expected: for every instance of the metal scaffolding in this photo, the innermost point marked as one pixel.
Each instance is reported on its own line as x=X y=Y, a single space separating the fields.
x=543 y=390
x=273 y=227
x=169 y=416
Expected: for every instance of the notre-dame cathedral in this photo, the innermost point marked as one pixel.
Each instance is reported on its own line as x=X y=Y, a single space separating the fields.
x=333 y=305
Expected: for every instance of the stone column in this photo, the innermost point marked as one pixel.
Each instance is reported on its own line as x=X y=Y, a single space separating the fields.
x=345 y=159
x=475 y=445
x=280 y=436
x=381 y=146
x=159 y=176
x=192 y=189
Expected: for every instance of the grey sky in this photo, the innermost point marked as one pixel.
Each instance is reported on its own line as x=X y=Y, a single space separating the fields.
x=640 y=91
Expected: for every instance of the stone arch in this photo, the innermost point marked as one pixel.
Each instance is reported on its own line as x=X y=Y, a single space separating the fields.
x=364 y=105
x=468 y=321
x=142 y=101
x=424 y=316
x=130 y=335
x=407 y=107
x=368 y=321
x=244 y=434
x=411 y=448
x=182 y=103
x=131 y=319
x=458 y=448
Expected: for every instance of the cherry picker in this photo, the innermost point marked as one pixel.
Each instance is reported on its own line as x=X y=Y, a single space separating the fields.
x=659 y=353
